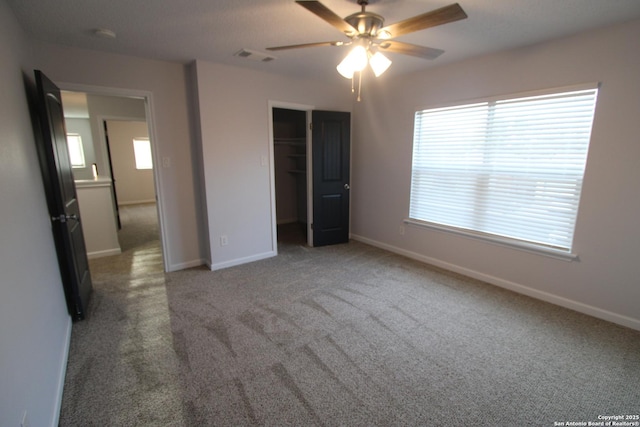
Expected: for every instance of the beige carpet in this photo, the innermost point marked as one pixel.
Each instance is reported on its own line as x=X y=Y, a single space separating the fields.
x=340 y=335
x=139 y=225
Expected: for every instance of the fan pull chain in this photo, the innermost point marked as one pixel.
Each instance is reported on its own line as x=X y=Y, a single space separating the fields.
x=359 y=84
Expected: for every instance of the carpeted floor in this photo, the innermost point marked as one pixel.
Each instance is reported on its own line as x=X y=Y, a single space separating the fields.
x=139 y=225
x=340 y=335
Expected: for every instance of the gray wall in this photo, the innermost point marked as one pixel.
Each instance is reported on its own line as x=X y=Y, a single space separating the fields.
x=604 y=281
x=234 y=114
x=231 y=122
x=34 y=324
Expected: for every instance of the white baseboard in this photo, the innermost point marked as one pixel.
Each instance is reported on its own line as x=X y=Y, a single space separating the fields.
x=245 y=260
x=516 y=287
x=107 y=252
x=135 y=202
x=187 y=264
x=61 y=375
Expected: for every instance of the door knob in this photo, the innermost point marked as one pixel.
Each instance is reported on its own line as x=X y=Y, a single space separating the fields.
x=347 y=187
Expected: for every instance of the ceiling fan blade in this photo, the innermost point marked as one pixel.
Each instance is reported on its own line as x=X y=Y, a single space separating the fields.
x=444 y=15
x=297 y=46
x=410 y=49
x=326 y=14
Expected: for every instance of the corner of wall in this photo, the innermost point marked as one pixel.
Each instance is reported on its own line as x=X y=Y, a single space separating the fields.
x=193 y=105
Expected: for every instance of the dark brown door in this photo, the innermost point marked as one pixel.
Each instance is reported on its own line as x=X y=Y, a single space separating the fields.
x=331 y=142
x=51 y=138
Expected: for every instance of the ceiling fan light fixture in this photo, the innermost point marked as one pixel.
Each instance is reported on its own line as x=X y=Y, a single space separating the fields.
x=379 y=63
x=344 y=70
x=356 y=60
x=383 y=35
x=368 y=32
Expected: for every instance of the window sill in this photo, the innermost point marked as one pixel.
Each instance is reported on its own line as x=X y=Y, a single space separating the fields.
x=501 y=241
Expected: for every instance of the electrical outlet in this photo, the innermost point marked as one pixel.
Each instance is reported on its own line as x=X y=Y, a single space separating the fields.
x=25 y=420
x=224 y=241
x=402 y=230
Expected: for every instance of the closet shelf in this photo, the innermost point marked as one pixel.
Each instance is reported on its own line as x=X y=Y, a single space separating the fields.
x=290 y=141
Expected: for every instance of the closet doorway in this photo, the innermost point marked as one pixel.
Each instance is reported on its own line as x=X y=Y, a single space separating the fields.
x=291 y=159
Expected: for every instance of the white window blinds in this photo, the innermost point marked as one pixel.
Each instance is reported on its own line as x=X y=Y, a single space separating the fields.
x=511 y=168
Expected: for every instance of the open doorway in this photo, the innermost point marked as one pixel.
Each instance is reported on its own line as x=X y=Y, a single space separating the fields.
x=116 y=180
x=291 y=160
x=131 y=162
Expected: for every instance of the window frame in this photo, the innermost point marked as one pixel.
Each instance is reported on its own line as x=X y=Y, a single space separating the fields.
x=528 y=246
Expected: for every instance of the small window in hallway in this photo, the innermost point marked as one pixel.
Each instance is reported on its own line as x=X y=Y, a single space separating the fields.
x=76 y=152
x=142 y=152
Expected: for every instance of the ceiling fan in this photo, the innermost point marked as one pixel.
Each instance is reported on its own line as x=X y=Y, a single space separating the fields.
x=370 y=37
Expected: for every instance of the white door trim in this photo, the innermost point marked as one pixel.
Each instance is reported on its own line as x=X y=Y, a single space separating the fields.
x=308 y=109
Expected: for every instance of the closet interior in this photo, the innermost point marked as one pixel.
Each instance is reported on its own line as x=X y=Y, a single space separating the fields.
x=290 y=164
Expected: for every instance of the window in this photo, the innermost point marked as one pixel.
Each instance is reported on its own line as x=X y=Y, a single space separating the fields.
x=142 y=153
x=509 y=170
x=76 y=152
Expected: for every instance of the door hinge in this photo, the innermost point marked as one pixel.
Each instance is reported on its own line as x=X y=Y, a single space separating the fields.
x=310 y=126
x=312 y=226
x=64 y=218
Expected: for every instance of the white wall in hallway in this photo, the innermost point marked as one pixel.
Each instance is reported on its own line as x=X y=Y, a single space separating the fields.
x=102 y=107
x=132 y=185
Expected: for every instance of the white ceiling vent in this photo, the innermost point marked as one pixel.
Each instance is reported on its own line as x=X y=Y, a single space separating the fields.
x=254 y=56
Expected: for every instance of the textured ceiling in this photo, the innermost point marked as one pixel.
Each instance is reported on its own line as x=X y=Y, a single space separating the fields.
x=213 y=30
